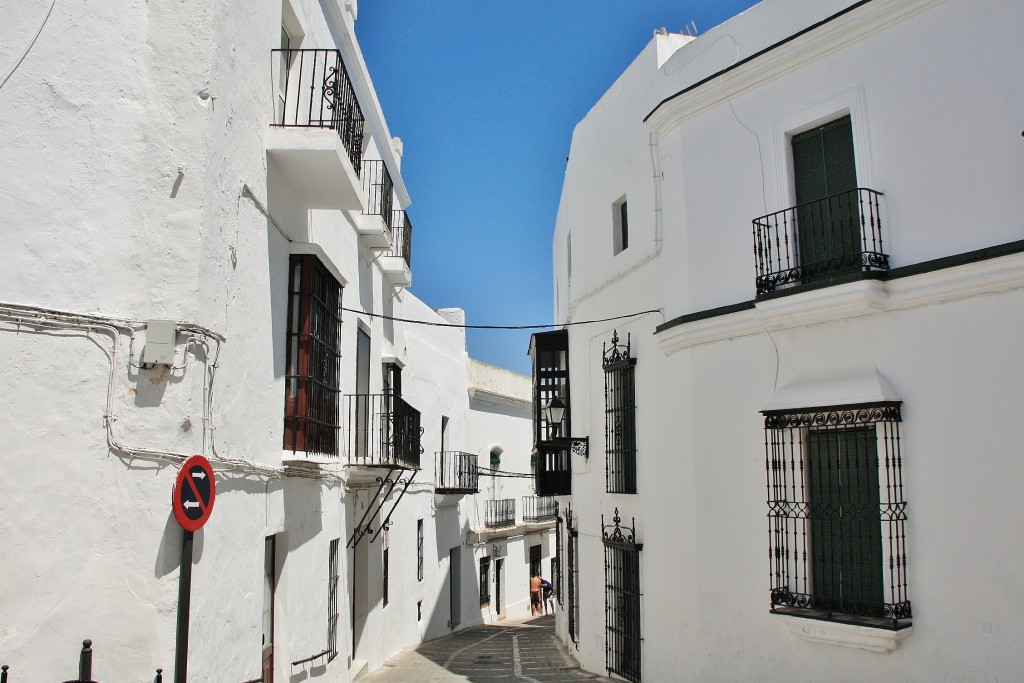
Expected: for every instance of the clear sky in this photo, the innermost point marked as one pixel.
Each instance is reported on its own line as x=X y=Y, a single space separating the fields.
x=485 y=95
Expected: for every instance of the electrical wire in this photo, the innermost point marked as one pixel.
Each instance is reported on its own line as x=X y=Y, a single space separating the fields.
x=10 y=72
x=499 y=327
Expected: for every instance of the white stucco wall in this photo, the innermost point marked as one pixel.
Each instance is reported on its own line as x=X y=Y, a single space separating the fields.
x=137 y=186
x=944 y=339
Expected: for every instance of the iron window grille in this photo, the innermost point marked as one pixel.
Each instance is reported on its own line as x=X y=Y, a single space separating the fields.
x=500 y=513
x=312 y=392
x=457 y=472
x=386 y=581
x=315 y=91
x=539 y=508
x=485 y=581
x=837 y=514
x=622 y=599
x=572 y=579
x=332 y=600
x=419 y=549
x=557 y=568
x=619 y=416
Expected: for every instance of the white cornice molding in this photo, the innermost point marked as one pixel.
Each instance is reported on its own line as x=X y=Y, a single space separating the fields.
x=851 y=300
x=503 y=400
x=821 y=42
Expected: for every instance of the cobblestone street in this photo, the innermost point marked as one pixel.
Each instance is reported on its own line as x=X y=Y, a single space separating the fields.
x=515 y=650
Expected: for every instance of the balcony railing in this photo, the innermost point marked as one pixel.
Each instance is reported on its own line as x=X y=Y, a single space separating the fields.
x=401 y=227
x=539 y=508
x=833 y=236
x=500 y=514
x=313 y=90
x=382 y=429
x=380 y=190
x=456 y=472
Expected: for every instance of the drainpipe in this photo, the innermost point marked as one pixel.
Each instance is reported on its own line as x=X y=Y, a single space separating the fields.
x=656 y=174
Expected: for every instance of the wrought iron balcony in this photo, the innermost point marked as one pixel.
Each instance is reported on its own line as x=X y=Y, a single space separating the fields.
x=456 y=472
x=401 y=229
x=313 y=90
x=539 y=508
x=837 y=235
x=382 y=429
x=380 y=190
x=500 y=514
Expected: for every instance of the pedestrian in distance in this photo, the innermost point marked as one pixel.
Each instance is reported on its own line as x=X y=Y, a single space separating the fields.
x=548 y=590
x=535 y=590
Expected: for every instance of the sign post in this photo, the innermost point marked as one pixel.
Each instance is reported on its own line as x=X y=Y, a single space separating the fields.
x=192 y=503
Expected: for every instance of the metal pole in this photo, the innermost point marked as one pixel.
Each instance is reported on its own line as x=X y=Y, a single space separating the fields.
x=3 y=674
x=184 y=599
x=85 y=661
x=159 y=676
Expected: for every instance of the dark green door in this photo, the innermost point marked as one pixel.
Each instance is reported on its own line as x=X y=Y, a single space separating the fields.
x=827 y=214
x=846 y=532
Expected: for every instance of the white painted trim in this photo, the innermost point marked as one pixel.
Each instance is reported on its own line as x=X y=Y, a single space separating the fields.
x=832 y=37
x=846 y=635
x=850 y=300
x=853 y=103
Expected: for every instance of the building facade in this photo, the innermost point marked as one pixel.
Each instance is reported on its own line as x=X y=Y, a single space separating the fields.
x=800 y=467
x=208 y=252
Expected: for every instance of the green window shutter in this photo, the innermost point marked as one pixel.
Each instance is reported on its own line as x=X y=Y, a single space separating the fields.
x=825 y=177
x=846 y=532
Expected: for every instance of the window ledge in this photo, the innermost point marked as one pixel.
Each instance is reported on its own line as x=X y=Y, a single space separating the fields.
x=846 y=635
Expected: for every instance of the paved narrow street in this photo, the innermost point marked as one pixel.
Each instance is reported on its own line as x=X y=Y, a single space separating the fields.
x=516 y=650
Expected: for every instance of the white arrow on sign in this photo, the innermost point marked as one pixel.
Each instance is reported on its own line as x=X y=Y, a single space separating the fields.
x=198 y=475
x=190 y=504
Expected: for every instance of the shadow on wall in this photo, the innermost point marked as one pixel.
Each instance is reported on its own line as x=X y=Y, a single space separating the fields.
x=168 y=556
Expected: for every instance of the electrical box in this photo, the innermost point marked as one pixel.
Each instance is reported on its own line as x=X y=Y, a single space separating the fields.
x=161 y=338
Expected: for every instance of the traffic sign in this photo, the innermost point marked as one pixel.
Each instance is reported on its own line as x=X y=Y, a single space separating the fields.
x=194 y=491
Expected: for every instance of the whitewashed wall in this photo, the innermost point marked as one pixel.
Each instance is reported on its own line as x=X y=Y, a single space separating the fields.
x=130 y=131
x=950 y=168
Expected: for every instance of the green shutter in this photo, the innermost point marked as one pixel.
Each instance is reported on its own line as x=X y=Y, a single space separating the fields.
x=824 y=168
x=846 y=532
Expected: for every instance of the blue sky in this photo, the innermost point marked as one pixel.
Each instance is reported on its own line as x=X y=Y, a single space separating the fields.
x=485 y=95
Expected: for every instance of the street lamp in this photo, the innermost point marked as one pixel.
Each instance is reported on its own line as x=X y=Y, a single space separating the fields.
x=555 y=411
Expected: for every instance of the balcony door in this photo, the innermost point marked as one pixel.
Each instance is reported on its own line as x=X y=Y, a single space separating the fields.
x=825 y=180
x=362 y=394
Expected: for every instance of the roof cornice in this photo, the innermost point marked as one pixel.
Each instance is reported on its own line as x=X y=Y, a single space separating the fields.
x=829 y=35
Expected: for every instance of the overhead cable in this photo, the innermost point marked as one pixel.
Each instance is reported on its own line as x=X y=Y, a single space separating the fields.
x=499 y=327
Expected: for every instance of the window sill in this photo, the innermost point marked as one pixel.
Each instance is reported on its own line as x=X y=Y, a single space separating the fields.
x=847 y=635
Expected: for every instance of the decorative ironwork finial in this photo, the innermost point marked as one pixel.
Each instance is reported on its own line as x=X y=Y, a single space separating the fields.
x=616 y=353
x=615 y=533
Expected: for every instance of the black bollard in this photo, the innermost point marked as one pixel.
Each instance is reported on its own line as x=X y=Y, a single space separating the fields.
x=159 y=676
x=85 y=661
x=3 y=673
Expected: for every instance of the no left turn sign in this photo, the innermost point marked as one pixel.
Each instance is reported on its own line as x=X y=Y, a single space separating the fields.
x=194 y=491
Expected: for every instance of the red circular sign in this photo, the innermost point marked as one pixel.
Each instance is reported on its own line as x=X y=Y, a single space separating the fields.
x=194 y=491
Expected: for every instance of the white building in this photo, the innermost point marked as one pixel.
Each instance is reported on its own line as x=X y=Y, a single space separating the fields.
x=206 y=251
x=811 y=454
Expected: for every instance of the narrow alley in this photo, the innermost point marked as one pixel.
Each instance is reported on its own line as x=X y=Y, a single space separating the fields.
x=515 y=650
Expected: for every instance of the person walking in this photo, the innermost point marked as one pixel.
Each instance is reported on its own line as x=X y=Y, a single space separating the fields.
x=548 y=590
x=535 y=589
